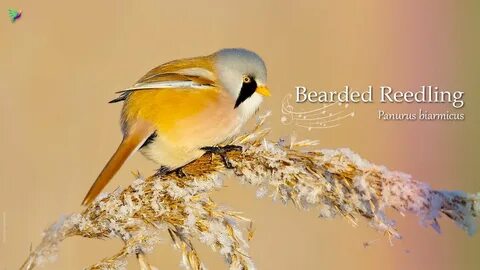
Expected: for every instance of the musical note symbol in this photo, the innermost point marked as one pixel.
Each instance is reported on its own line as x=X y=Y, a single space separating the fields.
x=325 y=117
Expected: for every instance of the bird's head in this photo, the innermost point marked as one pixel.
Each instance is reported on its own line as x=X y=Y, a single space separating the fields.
x=242 y=73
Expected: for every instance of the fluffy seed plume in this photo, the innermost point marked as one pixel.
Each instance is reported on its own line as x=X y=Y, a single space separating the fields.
x=334 y=182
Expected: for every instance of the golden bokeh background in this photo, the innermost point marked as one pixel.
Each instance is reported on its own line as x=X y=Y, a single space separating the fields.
x=62 y=61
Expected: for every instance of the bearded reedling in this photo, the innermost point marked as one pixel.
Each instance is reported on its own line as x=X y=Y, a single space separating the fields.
x=184 y=108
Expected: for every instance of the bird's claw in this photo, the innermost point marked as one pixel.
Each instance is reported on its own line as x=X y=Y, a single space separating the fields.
x=180 y=173
x=165 y=170
x=222 y=149
x=162 y=171
x=222 y=152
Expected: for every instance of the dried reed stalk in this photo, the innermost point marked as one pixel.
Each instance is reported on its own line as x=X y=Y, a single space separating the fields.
x=336 y=182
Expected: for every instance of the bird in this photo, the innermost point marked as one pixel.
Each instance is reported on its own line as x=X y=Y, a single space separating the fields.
x=184 y=108
x=14 y=14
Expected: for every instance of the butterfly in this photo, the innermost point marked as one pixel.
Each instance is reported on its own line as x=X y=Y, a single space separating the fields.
x=14 y=14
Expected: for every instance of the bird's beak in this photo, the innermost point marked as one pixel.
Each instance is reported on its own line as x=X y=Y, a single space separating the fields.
x=263 y=90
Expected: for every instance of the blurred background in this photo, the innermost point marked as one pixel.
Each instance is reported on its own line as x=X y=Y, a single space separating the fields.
x=63 y=60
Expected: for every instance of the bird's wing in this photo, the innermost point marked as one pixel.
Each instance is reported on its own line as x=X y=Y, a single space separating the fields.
x=200 y=67
x=133 y=140
x=166 y=81
x=192 y=73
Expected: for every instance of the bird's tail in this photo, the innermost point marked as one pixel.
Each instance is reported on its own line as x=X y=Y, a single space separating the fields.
x=137 y=135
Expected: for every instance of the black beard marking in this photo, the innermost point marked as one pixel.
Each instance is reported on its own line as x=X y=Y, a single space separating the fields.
x=247 y=91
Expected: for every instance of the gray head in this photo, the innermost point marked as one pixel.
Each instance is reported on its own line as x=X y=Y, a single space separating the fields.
x=244 y=75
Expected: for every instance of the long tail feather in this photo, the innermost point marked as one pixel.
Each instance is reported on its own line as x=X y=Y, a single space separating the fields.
x=131 y=143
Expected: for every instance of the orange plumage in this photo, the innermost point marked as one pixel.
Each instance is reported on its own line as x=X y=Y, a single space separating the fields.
x=184 y=105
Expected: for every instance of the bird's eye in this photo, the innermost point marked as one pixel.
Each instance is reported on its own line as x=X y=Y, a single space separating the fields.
x=247 y=79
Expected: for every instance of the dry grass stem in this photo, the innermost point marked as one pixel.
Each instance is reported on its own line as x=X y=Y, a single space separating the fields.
x=335 y=182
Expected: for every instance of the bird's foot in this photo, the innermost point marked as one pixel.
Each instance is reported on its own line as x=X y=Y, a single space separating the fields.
x=180 y=173
x=222 y=152
x=162 y=171
x=222 y=149
x=165 y=170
